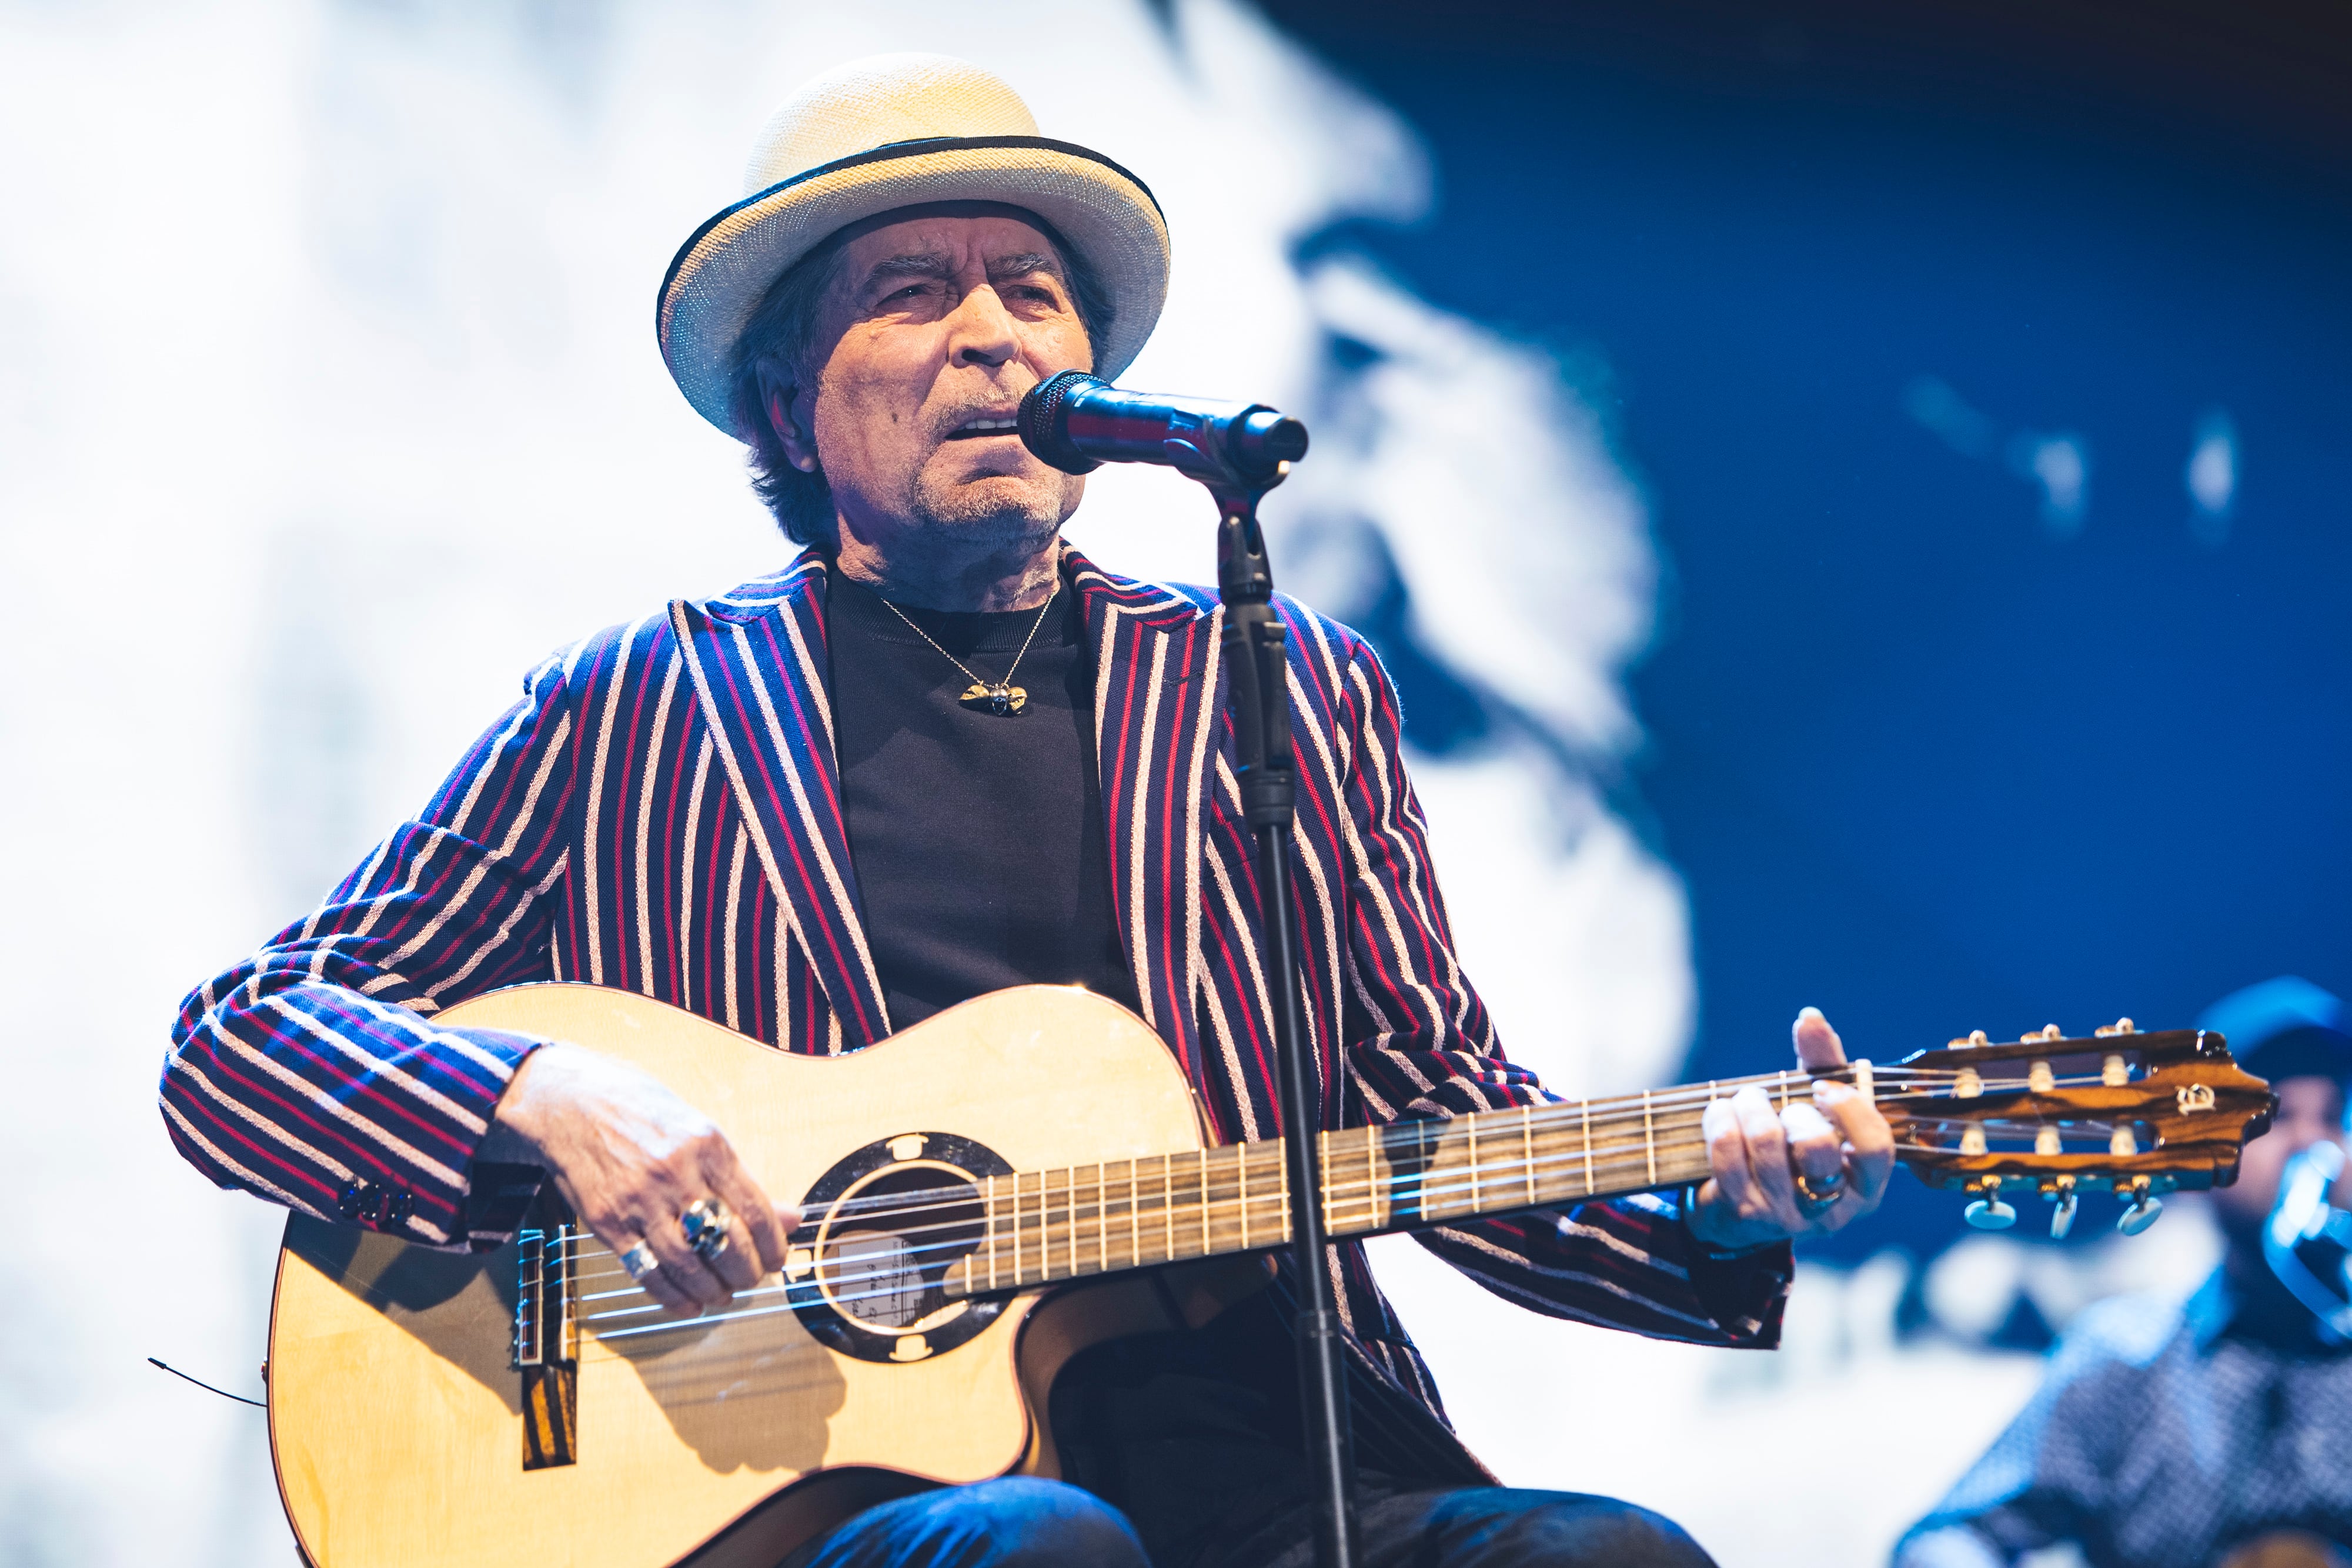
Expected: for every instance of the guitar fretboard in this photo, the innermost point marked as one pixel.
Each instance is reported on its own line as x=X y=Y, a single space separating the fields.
x=1045 y=1226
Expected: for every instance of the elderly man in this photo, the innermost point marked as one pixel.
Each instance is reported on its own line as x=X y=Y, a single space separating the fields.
x=2214 y=1430
x=939 y=754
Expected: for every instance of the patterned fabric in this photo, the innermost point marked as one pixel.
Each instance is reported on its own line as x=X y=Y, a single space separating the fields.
x=660 y=814
x=2162 y=1437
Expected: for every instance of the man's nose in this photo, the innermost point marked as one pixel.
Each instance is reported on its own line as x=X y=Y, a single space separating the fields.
x=981 y=333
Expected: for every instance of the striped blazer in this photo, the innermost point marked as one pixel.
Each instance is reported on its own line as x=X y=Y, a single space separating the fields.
x=661 y=813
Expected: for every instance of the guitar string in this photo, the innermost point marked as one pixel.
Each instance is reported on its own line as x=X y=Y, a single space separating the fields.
x=1661 y=1101
x=1626 y=1108
x=1100 y=1204
x=895 y=1287
x=1101 y=1212
x=1673 y=1103
x=1104 y=1212
x=1543 y=1117
x=1352 y=1188
x=835 y=1296
x=1096 y=1205
x=1631 y=1159
x=895 y=1273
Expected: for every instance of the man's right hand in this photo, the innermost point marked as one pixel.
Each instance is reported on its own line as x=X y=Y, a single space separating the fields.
x=630 y=1157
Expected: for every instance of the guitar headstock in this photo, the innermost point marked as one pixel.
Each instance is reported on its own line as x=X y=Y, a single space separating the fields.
x=2140 y=1112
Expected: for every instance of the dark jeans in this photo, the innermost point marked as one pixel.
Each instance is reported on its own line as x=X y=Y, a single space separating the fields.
x=1184 y=1449
x=1024 y=1523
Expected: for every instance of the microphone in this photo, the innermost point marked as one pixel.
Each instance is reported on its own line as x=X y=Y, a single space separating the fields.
x=1077 y=423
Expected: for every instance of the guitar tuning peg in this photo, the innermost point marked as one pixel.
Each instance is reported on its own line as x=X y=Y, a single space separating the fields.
x=1988 y=1212
x=2145 y=1206
x=2061 y=1215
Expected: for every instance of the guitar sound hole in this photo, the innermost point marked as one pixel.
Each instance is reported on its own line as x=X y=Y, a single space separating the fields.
x=893 y=1238
x=880 y=1230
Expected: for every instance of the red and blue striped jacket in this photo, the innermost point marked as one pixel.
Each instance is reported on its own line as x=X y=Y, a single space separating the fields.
x=661 y=813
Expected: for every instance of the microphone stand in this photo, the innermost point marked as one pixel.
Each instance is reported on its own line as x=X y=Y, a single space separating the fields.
x=1234 y=449
x=1257 y=684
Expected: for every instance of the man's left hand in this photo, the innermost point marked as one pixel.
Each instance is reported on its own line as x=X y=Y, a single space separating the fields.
x=1839 y=1143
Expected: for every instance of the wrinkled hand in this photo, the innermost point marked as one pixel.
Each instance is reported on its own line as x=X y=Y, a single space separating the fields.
x=630 y=1156
x=1756 y=1154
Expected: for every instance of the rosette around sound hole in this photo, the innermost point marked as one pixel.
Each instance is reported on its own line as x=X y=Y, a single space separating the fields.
x=881 y=1228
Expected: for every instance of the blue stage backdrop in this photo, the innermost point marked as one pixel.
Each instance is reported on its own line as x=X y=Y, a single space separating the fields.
x=1996 y=425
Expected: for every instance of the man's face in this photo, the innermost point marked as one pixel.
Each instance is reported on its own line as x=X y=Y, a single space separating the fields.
x=937 y=324
x=2309 y=1109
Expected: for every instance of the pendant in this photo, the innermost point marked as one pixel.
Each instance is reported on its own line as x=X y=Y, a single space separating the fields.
x=1001 y=700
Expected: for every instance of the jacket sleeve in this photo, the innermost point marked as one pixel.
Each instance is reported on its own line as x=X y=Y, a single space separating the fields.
x=311 y=1075
x=1420 y=1044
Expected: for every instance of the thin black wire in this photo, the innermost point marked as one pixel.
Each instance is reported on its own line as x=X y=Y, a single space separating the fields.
x=208 y=1387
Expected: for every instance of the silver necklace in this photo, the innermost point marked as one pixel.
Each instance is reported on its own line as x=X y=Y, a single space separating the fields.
x=1001 y=698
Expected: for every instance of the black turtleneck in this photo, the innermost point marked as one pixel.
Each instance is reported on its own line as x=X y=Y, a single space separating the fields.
x=979 y=841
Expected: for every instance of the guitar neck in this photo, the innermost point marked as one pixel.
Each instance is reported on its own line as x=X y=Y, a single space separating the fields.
x=1041 y=1227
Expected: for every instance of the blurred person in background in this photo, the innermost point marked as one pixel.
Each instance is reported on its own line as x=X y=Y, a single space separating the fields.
x=844 y=797
x=2214 y=1430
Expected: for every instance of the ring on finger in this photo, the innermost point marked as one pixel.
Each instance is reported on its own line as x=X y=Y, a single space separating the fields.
x=1817 y=1199
x=640 y=1262
x=705 y=1223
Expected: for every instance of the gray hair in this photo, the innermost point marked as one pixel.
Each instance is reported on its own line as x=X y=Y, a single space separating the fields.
x=773 y=357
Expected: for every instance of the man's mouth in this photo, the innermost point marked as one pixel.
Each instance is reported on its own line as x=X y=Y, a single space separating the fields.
x=986 y=424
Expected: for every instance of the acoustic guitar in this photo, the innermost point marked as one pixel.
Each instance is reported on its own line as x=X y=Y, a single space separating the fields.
x=959 y=1184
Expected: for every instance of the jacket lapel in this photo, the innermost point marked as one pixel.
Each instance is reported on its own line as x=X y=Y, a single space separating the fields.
x=1159 y=698
x=758 y=659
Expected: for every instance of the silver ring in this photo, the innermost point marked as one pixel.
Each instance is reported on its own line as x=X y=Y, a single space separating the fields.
x=704 y=1222
x=640 y=1262
x=1814 y=1201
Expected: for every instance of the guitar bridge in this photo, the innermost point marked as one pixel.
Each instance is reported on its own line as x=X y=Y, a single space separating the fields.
x=547 y=1339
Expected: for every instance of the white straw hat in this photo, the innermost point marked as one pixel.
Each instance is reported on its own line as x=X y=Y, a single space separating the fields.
x=894 y=130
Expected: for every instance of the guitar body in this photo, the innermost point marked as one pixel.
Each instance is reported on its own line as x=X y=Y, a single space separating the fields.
x=396 y=1417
